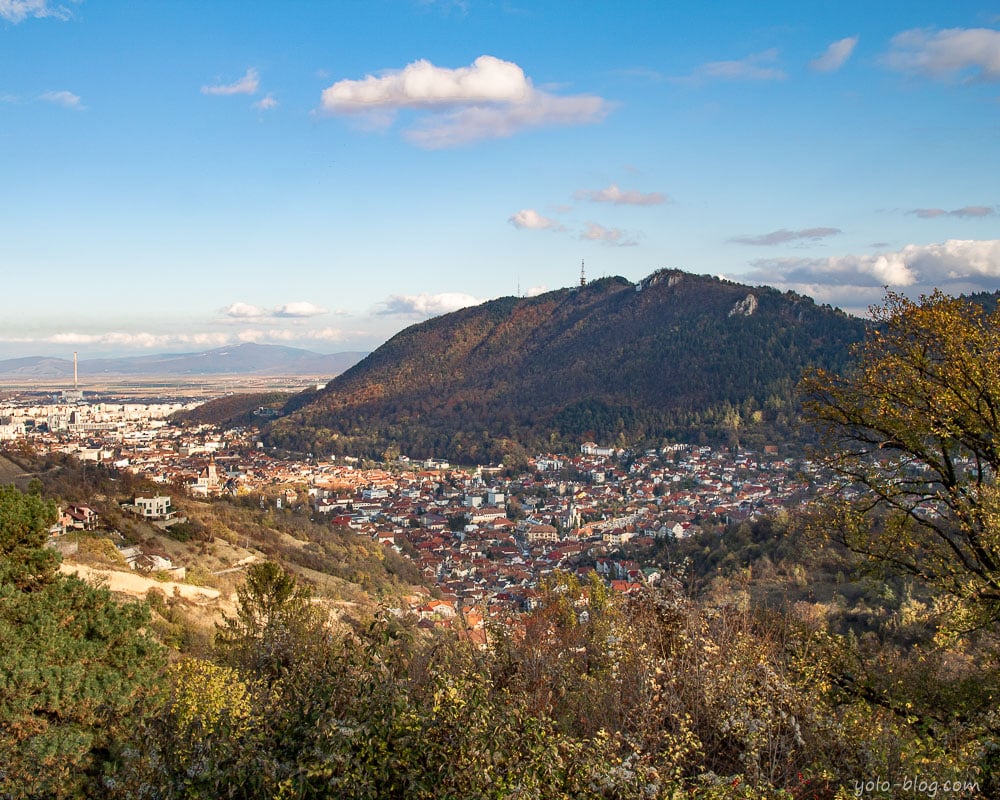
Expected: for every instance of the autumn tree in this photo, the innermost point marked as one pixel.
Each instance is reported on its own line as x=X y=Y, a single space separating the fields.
x=913 y=430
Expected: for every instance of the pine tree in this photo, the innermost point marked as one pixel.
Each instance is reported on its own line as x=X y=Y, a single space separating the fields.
x=73 y=666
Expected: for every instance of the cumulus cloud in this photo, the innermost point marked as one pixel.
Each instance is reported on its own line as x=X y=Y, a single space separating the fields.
x=248 y=84
x=540 y=110
x=301 y=309
x=613 y=194
x=244 y=311
x=967 y=212
x=426 y=305
x=755 y=67
x=954 y=53
x=955 y=266
x=534 y=291
x=835 y=56
x=783 y=236
x=490 y=99
x=285 y=311
x=64 y=99
x=421 y=84
x=19 y=10
x=266 y=103
x=614 y=237
x=530 y=219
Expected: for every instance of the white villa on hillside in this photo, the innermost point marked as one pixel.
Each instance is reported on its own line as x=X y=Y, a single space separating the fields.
x=152 y=508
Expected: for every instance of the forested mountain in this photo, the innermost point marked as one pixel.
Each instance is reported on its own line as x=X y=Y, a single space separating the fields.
x=676 y=355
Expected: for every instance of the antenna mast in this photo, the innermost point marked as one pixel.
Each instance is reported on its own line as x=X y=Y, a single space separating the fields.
x=583 y=274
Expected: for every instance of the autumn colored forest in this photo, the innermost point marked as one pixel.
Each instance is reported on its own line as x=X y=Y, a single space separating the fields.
x=676 y=357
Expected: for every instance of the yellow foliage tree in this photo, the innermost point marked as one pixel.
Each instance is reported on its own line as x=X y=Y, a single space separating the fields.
x=914 y=432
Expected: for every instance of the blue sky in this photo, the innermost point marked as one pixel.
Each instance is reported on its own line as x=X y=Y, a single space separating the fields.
x=182 y=175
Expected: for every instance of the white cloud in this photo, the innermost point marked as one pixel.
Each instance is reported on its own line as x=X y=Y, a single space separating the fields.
x=530 y=219
x=426 y=305
x=421 y=84
x=138 y=340
x=534 y=291
x=244 y=311
x=754 y=67
x=145 y=340
x=490 y=99
x=485 y=122
x=294 y=310
x=613 y=194
x=286 y=336
x=63 y=98
x=783 y=236
x=472 y=124
x=19 y=10
x=246 y=85
x=955 y=266
x=323 y=335
x=964 y=53
x=610 y=236
x=300 y=309
x=835 y=56
x=266 y=103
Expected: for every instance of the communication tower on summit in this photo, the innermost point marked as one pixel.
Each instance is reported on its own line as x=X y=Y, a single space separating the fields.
x=583 y=275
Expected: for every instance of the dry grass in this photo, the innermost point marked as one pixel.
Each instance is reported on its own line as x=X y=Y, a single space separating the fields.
x=12 y=473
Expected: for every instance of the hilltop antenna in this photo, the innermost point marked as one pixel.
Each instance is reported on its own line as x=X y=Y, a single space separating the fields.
x=583 y=274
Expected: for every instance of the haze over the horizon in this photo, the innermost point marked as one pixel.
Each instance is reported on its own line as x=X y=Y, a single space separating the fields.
x=181 y=176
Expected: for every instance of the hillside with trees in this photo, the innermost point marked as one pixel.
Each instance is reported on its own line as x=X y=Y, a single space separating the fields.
x=593 y=694
x=234 y=410
x=674 y=356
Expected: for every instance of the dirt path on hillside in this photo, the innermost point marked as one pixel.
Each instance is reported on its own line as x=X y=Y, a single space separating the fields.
x=137 y=585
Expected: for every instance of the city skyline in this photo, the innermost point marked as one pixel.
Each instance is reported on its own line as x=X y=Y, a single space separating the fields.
x=184 y=176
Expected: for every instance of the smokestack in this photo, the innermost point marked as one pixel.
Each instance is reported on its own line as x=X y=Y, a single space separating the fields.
x=75 y=387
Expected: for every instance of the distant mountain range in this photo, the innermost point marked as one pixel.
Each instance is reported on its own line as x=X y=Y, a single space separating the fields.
x=676 y=356
x=243 y=359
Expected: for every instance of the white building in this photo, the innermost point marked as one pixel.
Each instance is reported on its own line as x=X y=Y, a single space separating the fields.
x=11 y=430
x=154 y=508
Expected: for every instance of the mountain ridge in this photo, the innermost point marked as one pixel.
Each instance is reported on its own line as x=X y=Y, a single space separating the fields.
x=243 y=359
x=611 y=360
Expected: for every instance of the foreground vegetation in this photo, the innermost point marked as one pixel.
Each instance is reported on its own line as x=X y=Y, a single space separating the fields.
x=590 y=695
